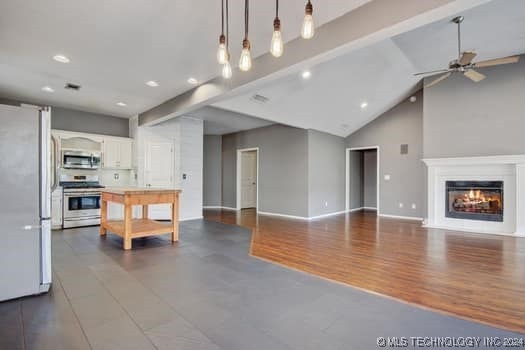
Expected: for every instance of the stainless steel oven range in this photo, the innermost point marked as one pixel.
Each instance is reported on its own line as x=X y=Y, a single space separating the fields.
x=81 y=200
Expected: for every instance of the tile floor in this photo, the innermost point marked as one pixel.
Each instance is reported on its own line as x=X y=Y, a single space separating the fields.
x=205 y=292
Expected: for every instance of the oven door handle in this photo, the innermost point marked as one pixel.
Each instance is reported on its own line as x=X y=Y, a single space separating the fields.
x=82 y=194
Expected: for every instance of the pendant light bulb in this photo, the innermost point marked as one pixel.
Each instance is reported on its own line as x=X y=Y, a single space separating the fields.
x=222 y=52
x=245 y=62
x=227 y=70
x=277 y=46
x=308 y=28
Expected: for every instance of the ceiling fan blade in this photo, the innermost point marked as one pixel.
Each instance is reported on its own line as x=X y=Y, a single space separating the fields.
x=434 y=72
x=435 y=81
x=473 y=75
x=466 y=58
x=497 y=61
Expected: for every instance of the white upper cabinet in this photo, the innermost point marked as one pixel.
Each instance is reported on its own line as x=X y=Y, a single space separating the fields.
x=117 y=153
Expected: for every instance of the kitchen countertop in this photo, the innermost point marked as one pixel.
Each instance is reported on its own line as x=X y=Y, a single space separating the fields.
x=138 y=190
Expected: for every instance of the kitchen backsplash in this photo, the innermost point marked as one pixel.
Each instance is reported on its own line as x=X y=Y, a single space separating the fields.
x=107 y=177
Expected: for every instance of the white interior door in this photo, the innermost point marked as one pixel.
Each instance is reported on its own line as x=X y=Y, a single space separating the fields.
x=248 y=179
x=158 y=173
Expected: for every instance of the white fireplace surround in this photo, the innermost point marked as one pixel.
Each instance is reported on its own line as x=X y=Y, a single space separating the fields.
x=508 y=168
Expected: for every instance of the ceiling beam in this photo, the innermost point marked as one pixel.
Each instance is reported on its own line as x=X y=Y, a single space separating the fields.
x=375 y=21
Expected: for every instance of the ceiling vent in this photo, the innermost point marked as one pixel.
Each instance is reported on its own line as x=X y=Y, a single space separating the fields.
x=260 y=98
x=71 y=86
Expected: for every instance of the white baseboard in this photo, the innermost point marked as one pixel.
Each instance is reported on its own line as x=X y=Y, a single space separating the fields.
x=303 y=217
x=401 y=217
x=283 y=215
x=327 y=215
x=191 y=218
x=362 y=208
x=296 y=217
x=218 y=207
x=355 y=209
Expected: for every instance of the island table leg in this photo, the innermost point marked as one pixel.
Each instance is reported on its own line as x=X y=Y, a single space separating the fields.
x=175 y=219
x=103 y=216
x=127 y=226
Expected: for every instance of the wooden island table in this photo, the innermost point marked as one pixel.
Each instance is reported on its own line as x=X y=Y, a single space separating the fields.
x=130 y=228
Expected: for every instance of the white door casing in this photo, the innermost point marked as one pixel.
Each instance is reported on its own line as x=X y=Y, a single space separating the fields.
x=248 y=179
x=239 y=191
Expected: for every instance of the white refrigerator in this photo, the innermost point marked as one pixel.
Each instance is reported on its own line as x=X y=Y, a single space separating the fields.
x=26 y=179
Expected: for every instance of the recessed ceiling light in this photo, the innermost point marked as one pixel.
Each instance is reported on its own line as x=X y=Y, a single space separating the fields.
x=48 y=89
x=193 y=81
x=364 y=105
x=121 y=104
x=61 y=59
x=306 y=74
x=152 y=83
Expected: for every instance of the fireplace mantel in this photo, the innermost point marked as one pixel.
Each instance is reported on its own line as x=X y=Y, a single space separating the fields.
x=507 y=168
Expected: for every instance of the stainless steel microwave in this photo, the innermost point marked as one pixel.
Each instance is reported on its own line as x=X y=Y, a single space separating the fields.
x=80 y=160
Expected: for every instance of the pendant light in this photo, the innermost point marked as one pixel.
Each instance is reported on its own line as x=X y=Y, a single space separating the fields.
x=277 y=46
x=308 y=29
x=245 y=62
x=227 y=67
x=222 y=51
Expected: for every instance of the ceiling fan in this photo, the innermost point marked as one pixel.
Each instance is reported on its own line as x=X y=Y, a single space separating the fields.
x=464 y=65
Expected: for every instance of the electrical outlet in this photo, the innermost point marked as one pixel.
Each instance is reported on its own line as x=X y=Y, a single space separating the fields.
x=116 y=176
x=387 y=177
x=413 y=205
x=326 y=204
x=401 y=205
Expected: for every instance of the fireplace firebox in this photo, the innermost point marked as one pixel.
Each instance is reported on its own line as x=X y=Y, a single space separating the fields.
x=474 y=200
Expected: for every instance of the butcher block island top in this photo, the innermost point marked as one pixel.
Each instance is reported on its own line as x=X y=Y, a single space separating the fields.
x=138 y=190
x=130 y=228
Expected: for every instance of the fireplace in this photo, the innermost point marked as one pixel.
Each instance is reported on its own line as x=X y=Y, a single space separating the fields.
x=474 y=200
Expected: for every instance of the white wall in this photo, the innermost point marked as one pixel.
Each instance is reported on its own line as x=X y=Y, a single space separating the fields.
x=191 y=162
x=187 y=137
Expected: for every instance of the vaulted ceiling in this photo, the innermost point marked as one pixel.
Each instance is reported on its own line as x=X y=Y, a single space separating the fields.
x=382 y=74
x=115 y=46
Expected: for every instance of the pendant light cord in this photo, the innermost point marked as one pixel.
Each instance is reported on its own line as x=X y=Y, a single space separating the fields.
x=276 y=8
x=227 y=27
x=246 y=4
x=222 y=17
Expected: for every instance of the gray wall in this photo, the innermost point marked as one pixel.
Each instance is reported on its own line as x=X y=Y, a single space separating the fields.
x=283 y=168
x=400 y=125
x=463 y=118
x=326 y=173
x=212 y=171
x=370 y=179
x=73 y=120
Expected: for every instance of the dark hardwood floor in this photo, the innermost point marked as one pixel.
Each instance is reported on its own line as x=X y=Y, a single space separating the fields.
x=474 y=276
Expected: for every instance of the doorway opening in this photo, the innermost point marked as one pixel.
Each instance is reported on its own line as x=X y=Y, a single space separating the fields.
x=362 y=178
x=247 y=178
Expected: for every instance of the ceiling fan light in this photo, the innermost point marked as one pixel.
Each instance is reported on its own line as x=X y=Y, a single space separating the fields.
x=308 y=27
